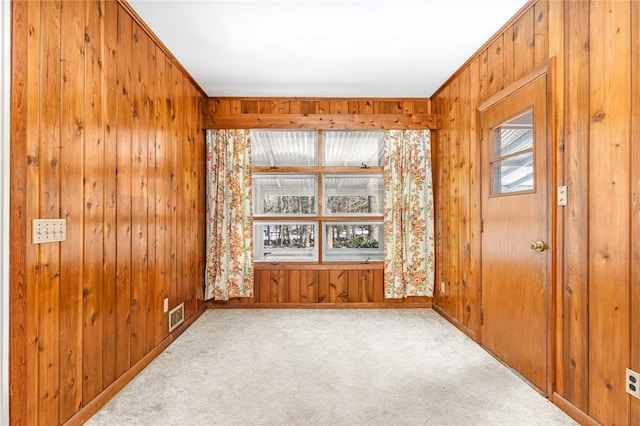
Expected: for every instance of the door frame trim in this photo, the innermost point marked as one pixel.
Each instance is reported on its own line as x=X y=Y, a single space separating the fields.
x=555 y=175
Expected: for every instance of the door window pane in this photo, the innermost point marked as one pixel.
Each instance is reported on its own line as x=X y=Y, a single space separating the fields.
x=280 y=194
x=513 y=160
x=515 y=135
x=355 y=241
x=277 y=241
x=277 y=148
x=349 y=148
x=353 y=194
x=513 y=174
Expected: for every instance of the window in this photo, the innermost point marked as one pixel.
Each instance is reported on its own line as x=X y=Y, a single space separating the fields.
x=512 y=155
x=317 y=195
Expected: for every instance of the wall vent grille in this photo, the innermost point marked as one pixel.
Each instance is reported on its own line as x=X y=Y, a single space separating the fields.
x=176 y=316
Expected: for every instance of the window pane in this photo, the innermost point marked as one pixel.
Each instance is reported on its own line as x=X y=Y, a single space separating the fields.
x=514 y=135
x=276 y=242
x=276 y=148
x=275 y=194
x=353 y=194
x=354 y=241
x=513 y=174
x=353 y=148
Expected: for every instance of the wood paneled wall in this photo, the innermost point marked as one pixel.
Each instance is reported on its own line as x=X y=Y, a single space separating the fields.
x=595 y=111
x=335 y=286
x=347 y=285
x=107 y=134
x=324 y=113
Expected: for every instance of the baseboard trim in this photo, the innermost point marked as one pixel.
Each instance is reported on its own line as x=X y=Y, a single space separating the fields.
x=112 y=390
x=389 y=305
x=454 y=321
x=574 y=412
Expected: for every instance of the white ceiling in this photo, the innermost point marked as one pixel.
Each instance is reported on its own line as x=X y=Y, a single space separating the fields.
x=311 y=48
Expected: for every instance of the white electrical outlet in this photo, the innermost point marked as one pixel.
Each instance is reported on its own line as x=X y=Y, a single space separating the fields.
x=442 y=288
x=49 y=230
x=632 y=385
x=166 y=304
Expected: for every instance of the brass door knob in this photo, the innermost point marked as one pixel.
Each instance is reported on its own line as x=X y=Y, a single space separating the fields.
x=538 y=246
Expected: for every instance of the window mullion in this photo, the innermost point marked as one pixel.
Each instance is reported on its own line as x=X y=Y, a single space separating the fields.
x=320 y=197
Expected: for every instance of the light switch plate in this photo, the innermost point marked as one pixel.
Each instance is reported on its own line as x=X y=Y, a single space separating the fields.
x=49 y=230
x=562 y=196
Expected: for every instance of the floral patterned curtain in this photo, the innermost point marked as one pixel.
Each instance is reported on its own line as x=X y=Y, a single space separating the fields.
x=229 y=267
x=408 y=214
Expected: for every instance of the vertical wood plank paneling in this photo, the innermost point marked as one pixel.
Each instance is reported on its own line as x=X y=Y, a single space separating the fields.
x=49 y=265
x=94 y=209
x=541 y=30
x=123 y=191
x=110 y=23
x=193 y=247
x=378 y=286
x=635 y=216
x=166 y=152
x=323 y=286
x=575 y=362
x=339 y=107
x=138 y=196
x=189 y=232
x=366 y=286
x=354 y=287
x=557 y=50
x=155 y=240
x=323 y=107
x=71 y=196
x=35 y=156
x=307 y=107
x=464 y=206
x=338 y=286
x=609 y=204
x=181 y=208
x=73 y=105
x=365 y=107
x=25 y=60
x=280 y=280
x=436 y=161
x=294 y=286
x=176 y=205
x=524 y=39
x=454 y=199
x=508 y=56
x=153 y=299
x=309 y=281
x=478 y=89
x=264 y=282
x=495 y=63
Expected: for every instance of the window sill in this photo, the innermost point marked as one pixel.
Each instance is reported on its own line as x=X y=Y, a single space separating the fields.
x=314 y=266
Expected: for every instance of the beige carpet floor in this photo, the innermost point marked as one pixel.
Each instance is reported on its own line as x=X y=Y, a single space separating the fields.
x=326 y=367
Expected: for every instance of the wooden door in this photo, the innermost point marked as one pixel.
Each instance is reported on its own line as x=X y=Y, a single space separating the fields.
x=516 y=231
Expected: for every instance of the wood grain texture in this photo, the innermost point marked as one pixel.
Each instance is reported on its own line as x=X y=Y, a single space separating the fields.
x=88 y=145
x=575 y=348
x=73 y=132
x=49 y=176
x=22 y=328
x=314 y=285
x=594 y=112
x=94 y=211
x=609 y=209
x=635 y=190
x=321 y=121
x=109 y=262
